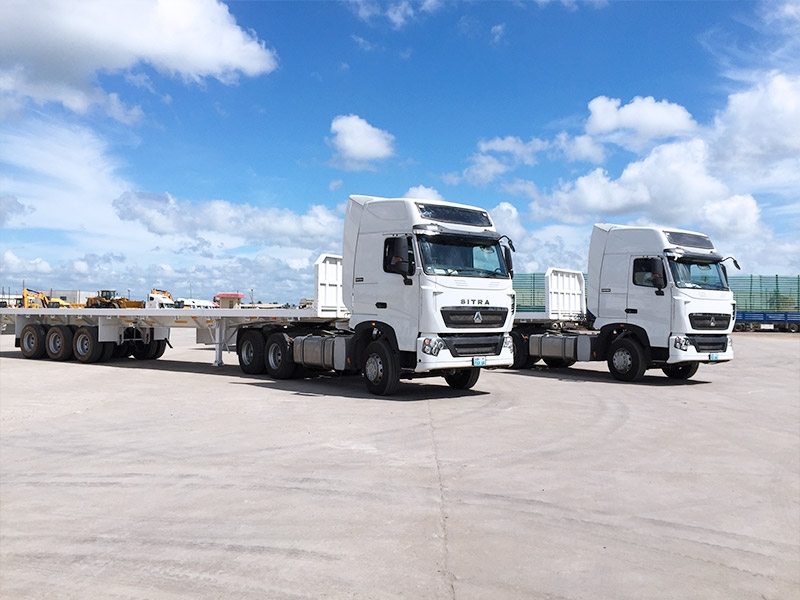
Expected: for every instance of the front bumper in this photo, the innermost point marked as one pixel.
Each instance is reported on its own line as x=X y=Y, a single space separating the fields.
x=433 y=354
x=698 y=348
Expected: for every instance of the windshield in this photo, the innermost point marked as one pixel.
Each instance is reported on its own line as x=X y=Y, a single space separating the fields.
x=698 y=275
x=462 y=257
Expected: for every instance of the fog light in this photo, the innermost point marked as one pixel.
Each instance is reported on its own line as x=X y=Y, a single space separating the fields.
x=432 y=346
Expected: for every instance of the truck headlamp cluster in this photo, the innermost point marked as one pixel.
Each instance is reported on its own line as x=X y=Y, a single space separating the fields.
x=682 y=343
x=432 y=346
x=508 y=343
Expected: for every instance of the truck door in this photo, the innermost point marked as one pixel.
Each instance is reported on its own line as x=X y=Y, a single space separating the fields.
x=649 y=302
x=397 y=295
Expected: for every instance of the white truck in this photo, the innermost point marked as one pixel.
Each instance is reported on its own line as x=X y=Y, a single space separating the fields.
x=656 y=298
x=423 y=289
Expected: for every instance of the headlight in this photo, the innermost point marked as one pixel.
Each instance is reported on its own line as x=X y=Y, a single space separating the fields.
x=432 y=346
x=681 y=343
x=508 y=343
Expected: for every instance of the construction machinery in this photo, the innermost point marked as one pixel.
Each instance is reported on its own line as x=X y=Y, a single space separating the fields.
x=110 y=299
x=34 y=299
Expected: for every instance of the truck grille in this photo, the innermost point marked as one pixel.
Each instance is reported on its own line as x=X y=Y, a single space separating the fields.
x=485 y=317
x=474 y=345
x=709 y=343
x=709 y=321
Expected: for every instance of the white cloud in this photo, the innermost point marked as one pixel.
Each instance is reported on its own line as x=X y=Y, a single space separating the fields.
x=164 y=215
x=423 y=193
x=399 y=13
x=638 y=122
x=52 y=49
x=755 y=140
x=358 y=143
x=498 y=156
x=498 y=32
x=580 y=148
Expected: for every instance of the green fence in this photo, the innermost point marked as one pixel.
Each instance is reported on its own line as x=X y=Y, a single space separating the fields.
x=761 y=293
x=766 y=293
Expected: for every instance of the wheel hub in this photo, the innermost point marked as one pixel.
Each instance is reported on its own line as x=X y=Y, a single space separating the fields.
x=622 y=361
x=373 y=369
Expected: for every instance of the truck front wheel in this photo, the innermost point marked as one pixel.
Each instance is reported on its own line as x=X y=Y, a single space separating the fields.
x=278 y=357
x=381 y=369
x=682 y=371
x=463 y=379
x=626 y=360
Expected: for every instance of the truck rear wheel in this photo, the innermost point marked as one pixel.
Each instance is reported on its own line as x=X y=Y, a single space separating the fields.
x=250 y=346
x=626 y=361
x=59 y=342
x=381 y=369
x=144 y=351
x=278 y=357
x=682 y=371
x=32 y=341
x=85 y=345
x=463 y=379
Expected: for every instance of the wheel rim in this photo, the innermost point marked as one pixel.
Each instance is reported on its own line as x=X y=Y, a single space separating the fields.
x=247 y=353
x=373 y=369
x=55 y=344
x=82 y=345
x=275 y=356
x=28 y=342
x=622 y=360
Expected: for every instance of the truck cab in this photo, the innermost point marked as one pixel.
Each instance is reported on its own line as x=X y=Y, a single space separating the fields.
x=430 y=283
x=660 y=298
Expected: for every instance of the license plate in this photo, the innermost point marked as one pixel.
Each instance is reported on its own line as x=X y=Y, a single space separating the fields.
x=713 y=357
x=478 y=361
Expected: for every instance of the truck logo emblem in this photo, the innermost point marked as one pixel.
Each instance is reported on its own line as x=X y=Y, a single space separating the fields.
x=713 y=322
x=477 y=318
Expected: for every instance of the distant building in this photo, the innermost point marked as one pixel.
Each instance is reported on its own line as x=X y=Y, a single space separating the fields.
x=229 y=299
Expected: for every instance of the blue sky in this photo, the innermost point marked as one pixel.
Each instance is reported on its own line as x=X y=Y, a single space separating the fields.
x=197 y=145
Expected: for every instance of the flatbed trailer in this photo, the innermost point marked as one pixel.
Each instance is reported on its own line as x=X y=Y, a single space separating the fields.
x=144 y=332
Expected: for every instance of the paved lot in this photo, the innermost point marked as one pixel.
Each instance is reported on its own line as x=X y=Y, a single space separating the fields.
x=177 y=479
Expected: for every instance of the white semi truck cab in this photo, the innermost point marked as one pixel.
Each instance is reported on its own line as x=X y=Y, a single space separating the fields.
x=428 y=287
x=656 y=297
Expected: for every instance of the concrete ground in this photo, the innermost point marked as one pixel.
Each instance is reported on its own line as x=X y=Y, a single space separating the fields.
x=176 y=479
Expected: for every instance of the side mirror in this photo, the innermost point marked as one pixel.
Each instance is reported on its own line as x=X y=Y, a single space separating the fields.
x=509 y=261
x=400 y=258
x=658 y=275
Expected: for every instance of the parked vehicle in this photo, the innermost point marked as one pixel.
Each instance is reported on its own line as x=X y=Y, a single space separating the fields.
x=656 y=298
x=423 y=289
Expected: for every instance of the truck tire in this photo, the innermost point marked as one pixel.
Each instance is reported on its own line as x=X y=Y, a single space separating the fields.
x=108 y=351
x=559 y=363
x=626 y=360
x=59 y=342
x=278 y=358
x=32 y=341
x=144 y=351
x=793 y=327
x=381 y=369
x=122 y=350
x=250 y=348
x=520 y=350
x=161 y=347
x=85 y=346
x=682 y=371
x=463 y=379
